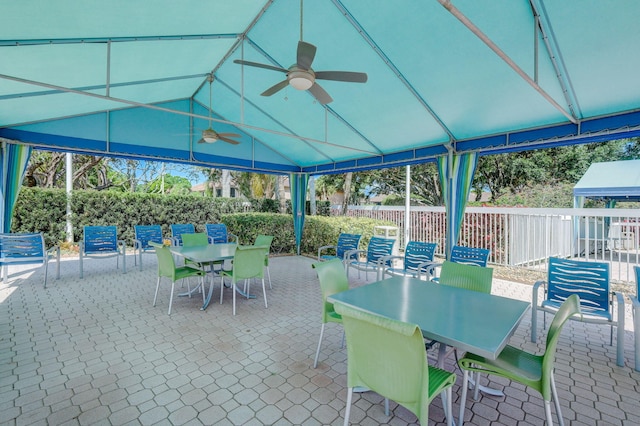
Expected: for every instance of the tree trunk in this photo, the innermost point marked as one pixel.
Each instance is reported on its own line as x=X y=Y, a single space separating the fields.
x=312 y=195
x=281 y=193
x=226 y=183
x=347 y=192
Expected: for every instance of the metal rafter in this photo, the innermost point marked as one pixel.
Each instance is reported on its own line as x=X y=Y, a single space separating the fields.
x=447 y=4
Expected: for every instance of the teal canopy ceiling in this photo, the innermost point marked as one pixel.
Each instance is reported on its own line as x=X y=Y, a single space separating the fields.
x=129 y=78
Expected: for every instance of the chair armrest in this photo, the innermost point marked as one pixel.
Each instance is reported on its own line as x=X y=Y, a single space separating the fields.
x=54 y=250
x=350 y=253
x=389 y=258
x=122 y=245
x=323 y=248
x=620 y=328
x=429 y=269
x=137 y=245
x=534 y=308
x=232 y=237
x=210 y=239
x=175 y=241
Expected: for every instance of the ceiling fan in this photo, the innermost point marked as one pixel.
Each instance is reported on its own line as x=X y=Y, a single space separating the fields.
x=302 y=77
x=211 y=136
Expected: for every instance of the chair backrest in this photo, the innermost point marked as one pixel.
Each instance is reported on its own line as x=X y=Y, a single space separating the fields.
x=333 y=279
x=166 y=264
x=194 y=240
x=569 y=308
x=100 y=239
x=264 y=240
x=416 y=253
x=178 y=230
x=148 y=233
x=388 y=357
x=248 y=262
x=470 y=277
x=217 y=232
x=470 y=255
x=589 y=280
x=21 y=249
x=379 y=247
x=347 y=242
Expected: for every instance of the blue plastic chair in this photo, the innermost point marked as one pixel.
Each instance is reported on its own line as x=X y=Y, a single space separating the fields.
x=178 y=230
x=418 y=257
x=101 y=242
x=24 y=249
x=145 y=234
x=590 y=281
x=376 y=257
x=346 y=242
x=218 y=234
x=465 y=255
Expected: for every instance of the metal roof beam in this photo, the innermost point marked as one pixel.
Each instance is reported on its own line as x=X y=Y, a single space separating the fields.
x=101 y=86
x=553 y=50
x=169 y=110
x=35 y=42
x=502 y=55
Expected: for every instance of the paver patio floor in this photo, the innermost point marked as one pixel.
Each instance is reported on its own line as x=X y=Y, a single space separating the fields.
x=95 y=351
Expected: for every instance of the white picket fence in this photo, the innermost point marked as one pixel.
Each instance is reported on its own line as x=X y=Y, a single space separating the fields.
x=524 y=237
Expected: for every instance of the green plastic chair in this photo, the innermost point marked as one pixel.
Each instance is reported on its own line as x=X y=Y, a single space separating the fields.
x=248 y=262
x=265 y=240
x=470 y=277
x=534 y=371
x=333 y=279
x=388 y=357
x=197 y=239
x=167 y=268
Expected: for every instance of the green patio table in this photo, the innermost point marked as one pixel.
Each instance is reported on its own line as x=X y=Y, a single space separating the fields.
x=468 y=320
x=207 y=254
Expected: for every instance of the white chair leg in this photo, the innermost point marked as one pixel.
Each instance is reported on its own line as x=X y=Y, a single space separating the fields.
x=156 y=296
x=173 y=283
x=449 y=409
x=221 y=287
x=269 y=276
x=386 y=407
x=476 y=387
x=556 y=401
x=315 y=361
x=547 y=412
x=463 y=397
x=264 y=292
x=347 y=411
x=233 y=290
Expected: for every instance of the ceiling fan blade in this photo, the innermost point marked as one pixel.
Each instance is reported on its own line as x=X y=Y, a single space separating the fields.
x=349 y=76
x=259 y=65
x=275 y=88
x=227 y=140
x=320 y=94
x=306 y=53
x=229 y=135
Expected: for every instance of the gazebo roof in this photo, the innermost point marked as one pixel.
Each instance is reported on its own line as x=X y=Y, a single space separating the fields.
x=129 y=78
x=612 y=180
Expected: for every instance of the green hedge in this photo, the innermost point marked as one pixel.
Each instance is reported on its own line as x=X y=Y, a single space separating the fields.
x=44 y=210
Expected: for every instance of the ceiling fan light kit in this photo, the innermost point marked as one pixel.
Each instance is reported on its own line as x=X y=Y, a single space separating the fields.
x=209 y=136
x=301 y=80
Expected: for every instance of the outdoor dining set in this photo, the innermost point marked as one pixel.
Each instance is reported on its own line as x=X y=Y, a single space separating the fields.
x=414 y=304
x=454 y=308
